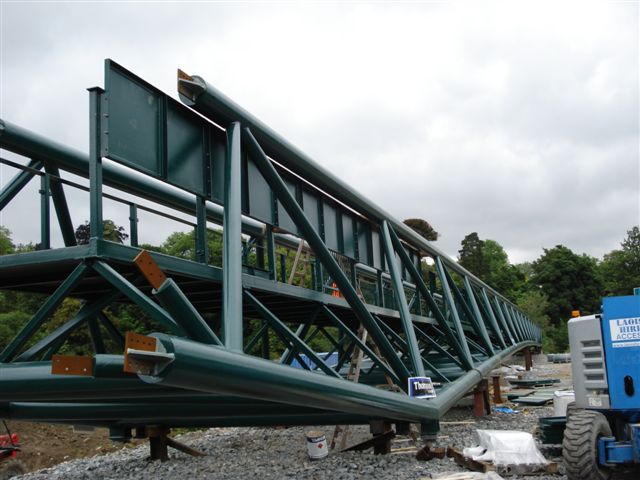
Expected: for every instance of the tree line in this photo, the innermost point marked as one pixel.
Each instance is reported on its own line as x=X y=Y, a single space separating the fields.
x=557 y=283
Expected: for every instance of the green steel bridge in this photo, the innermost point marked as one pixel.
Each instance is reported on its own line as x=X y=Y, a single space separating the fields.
x=232 y=329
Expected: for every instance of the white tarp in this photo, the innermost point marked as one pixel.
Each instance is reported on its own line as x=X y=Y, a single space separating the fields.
x=506 y=447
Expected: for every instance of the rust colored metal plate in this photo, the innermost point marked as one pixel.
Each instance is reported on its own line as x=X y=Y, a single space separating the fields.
x=137 y=342
x=149 y=268
x=72 y=365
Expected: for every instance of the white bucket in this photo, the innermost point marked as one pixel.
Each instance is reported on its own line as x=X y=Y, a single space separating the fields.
x=317 y=445
x=562 y=398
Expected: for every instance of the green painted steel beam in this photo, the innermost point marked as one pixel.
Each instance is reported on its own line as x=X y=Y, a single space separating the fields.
x=43 y=313
x=198 y=94
x=301 y=332
x=216 y=370
x=136 y=296
x=149 y=413
x=360 y=344
x=60 y=205
x=321 y=252
x=182 y=310
x=431 y=302
x=503 y=321
x=114 y=333
x=95 y=162
x=212 y=369
x=457 y=325
x=476 y=323
x=45 y=212
x=24 y=142
x=33 y=381
x=401 y=301
x=232 y=243
x=484 y=334
x=17 y=183
x=492 y=318
x=286 y=333
x=85 y=313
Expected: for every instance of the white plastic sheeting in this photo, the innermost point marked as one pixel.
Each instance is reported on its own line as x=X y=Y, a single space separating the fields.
x=506 y=447
x=467 y=476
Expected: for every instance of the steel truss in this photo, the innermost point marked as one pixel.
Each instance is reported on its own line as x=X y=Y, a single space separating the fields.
x=234 y=326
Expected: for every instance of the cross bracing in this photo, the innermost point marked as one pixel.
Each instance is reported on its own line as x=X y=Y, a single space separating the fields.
x=304 y=257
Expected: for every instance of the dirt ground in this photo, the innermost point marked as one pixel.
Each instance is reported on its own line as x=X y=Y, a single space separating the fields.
x=44 y=445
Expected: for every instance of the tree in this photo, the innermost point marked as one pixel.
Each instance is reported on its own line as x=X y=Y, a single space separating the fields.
x=110 y=230
x=6 y=244
x=470 y=256
x=620 y=269
x=499 y=273
x=569 y=281
x=423 y=228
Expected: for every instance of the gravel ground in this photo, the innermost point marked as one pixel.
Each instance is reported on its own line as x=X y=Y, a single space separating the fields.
x=270 y=453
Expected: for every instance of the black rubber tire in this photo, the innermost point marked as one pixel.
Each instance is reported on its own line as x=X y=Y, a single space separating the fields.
x=11 y=468
x=580 y=445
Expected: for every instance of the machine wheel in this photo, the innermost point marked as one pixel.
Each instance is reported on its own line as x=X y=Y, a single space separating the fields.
x=580 y=445
x=11 y=468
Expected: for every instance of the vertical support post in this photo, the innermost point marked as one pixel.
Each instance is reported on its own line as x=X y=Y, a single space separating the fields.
x=271 y=252
x=95 y=163
x=497 y=393
x=377 y=428
x=379 y=288
x=231 y=243
x=45 y=212
x=201 y=230
x=158 y=445
x=528 y=362
x=481 y=406
x=401 y=300
x=133 y=224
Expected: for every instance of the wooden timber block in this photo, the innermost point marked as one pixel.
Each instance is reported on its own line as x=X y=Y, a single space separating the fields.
x=471 y=464
x=429 y=452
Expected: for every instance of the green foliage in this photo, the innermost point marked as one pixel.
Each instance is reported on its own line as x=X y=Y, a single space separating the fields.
x=6 y=245
x=423 y=228
x=570 y=282
x=487 y=260
x=471 y=256
x=110 y=231
x=183 y=245
x=10 y=323
x=620 y=269
x=534 y=304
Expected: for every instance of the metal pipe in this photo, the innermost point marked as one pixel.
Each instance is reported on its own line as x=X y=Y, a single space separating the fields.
x=24 y=142
x=232 y=320
x=196 y=93
x=212 y=369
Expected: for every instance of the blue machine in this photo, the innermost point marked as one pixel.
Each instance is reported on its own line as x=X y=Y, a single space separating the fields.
x=603 y=430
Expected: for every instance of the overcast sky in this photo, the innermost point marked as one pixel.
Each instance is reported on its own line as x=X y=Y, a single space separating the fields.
x=516 y=120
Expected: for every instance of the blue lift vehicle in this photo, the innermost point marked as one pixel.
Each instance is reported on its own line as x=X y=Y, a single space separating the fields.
x=603 y=430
